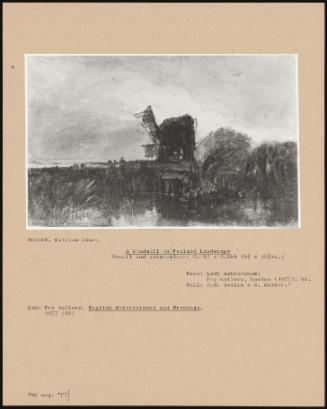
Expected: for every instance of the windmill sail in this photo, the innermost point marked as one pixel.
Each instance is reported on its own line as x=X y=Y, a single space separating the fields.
x=148 y=121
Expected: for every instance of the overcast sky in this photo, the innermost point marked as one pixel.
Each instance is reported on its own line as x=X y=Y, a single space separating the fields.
x=82 y=108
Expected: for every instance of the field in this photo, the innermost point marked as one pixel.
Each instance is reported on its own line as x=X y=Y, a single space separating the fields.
x=254 y=193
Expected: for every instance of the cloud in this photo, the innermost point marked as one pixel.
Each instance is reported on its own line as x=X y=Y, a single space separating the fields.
x=82 y=107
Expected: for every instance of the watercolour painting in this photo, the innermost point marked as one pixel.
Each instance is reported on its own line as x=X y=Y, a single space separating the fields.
x=162 y=141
